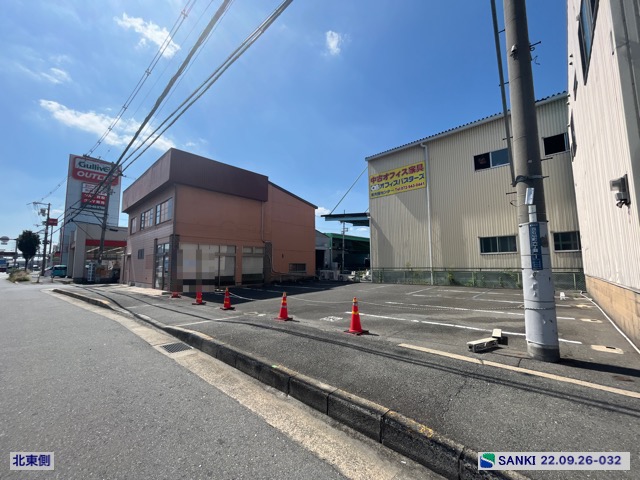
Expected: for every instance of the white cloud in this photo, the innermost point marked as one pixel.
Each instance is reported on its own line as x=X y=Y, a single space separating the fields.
x=53 y=75
x=149 y=31
x=56 y=75
x=98 y=123
x=333 y=42
x=322 y=211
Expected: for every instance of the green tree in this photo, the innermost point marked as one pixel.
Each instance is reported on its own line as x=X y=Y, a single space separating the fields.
x=28 y=243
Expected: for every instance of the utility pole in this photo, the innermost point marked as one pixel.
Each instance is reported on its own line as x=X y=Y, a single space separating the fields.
x=44 y=245
x=540 y=309
x=344 y=230
x=105 y=217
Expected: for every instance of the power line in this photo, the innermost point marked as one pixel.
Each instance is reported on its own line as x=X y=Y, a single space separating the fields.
x=201 y=40
x=244 y=46
x=352 y=185
x=147 y=73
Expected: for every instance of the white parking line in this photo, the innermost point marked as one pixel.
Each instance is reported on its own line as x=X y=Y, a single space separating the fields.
x=418 y=291
x=462 y=309
x=452 y=325
x=527 y=371
x=192 y=323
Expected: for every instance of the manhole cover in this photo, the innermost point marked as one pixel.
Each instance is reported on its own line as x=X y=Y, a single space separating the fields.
x=176 y=347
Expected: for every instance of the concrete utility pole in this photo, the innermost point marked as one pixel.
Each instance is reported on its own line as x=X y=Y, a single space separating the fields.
x=537 y=282
x=105 y=217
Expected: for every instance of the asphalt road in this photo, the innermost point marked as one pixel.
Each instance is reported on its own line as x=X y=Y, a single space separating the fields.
x=587 y=402
x=110 y=405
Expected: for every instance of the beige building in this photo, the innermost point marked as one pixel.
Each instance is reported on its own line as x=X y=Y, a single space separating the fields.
x=604 y=118
x=443 y=209
x=196 y=224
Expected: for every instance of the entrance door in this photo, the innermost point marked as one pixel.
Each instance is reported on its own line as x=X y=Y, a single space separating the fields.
x=162 y=266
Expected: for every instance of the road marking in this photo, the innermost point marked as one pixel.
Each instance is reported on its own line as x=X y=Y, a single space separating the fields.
x=452 y=325
x=551 y=376
x=462 y=309
x=418 y=291
x=604 y=348
x=331 y=319
x=192 y=323
x=591 y=320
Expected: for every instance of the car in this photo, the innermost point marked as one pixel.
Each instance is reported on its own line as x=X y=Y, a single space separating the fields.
x=56 y=271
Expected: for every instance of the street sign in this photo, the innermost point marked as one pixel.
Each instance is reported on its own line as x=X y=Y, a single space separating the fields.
x=534 y=242
x=52 y=222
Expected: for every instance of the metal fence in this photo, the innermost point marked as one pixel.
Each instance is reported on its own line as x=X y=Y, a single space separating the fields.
x=489 y=278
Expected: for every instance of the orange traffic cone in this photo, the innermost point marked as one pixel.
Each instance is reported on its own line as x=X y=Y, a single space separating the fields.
x=356 y=328
x=199 y=299
x=227 y=301
x=175 y=295
x=284 y=316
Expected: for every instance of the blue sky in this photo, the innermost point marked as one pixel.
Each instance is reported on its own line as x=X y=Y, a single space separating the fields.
x=330 y=83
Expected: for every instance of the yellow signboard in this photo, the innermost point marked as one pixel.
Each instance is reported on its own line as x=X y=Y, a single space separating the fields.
x=398 y=180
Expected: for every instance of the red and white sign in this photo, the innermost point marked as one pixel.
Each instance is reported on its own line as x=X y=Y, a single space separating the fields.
x=89 y=197
x=93 y=171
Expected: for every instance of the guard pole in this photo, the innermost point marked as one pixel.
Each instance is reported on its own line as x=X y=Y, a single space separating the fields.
x=540 y=309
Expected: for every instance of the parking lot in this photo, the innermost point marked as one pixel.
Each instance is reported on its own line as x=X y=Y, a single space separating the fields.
x=442 y=319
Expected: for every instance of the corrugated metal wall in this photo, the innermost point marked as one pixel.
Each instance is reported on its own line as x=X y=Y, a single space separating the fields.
x=399 y=233
x=606 y=129
x=468 y=204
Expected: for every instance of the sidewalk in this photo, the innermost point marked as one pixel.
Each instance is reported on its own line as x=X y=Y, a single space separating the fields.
x=415 y=364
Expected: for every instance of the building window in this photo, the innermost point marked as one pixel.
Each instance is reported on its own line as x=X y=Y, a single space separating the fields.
x=493 y=159
x=134 y=225
x=141 y=254
x=164 y=211
x=506 y=244
x=555 y=144
x=297 y=267
x=574 y=145
x=146 y=219
x=566 y=241
x=586 y=27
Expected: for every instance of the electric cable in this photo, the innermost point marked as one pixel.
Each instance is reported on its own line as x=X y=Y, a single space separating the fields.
x=257 y=33
x=205 y=33
x=147 y=73
x=352 y=185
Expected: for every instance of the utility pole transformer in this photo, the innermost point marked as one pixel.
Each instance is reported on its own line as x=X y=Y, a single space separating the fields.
x=540 y=309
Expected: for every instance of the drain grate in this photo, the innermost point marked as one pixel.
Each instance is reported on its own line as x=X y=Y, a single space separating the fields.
x=176 y=347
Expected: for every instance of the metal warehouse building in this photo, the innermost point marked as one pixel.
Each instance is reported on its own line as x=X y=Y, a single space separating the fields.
x=442 y=209
x=604 y=114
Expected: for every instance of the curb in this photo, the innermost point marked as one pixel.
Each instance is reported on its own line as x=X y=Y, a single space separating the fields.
x=395 y=431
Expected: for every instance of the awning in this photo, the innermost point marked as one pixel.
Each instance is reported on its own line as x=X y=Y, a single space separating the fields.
x=355 y=219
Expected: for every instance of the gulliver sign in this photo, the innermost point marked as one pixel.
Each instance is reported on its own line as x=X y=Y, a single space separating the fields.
x=92 y=171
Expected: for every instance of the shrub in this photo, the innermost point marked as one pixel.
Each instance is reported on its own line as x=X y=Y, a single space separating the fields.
x=19 y=276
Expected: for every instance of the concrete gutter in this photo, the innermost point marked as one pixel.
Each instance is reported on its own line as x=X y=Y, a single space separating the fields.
x=402 y=434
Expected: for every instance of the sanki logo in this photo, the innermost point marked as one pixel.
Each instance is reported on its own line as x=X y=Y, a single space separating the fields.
x=487 y=460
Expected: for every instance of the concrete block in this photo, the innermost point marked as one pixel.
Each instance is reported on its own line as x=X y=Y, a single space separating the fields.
x=311 y=392
x=275 y=377
x=482 y=344
x=421 y=444
x=249 y=365
x=210 y=348
x=226 y=355
x=357 y=413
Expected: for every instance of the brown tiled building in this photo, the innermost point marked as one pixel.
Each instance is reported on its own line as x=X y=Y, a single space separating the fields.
x=197 y=224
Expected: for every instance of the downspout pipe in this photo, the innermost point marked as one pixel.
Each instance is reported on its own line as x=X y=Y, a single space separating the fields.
x=428 y=172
